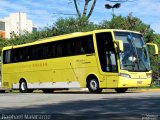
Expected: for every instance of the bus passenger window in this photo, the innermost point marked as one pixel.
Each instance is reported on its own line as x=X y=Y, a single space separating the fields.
x=7 y=56
x=59 y=50
x=79 y=48
x=69 y=48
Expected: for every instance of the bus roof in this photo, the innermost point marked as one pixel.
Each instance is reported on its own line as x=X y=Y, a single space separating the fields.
x=118 y=30
x=65 y=36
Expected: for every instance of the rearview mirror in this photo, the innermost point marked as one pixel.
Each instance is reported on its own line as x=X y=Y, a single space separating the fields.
x=155 y=48
x=120 y=45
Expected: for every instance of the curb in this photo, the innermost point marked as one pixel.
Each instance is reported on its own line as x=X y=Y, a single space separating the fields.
x=146 y=90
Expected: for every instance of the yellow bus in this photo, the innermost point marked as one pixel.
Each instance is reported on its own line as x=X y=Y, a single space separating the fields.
x=99 y=59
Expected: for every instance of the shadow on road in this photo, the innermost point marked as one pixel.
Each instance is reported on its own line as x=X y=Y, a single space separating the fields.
x=102 y=109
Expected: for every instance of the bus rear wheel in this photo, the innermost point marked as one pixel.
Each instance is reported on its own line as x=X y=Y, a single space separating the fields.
x=93 y=85
x=121 y=90
x=2 y=91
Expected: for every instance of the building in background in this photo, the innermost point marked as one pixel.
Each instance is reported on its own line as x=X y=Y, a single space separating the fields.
x=17 y=24
x=2 y=29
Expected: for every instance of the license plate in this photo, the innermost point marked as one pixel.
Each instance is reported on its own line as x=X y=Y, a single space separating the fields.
x=139 y=82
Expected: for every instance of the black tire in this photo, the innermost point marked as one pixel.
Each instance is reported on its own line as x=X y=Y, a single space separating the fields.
x=47 y=90
x=2 y=91
x=23 y=87
x=93 y=85
x=121 y=90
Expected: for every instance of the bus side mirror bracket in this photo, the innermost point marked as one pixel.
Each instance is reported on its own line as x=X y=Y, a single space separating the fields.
x=155 y=47
x=120 y=45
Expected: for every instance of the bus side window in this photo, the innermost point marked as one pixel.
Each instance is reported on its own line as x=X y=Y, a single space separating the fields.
x=15 y=55
x=49 y=51
x=7 y=56
x=40 y=52
x=83 y=45
x=88 y=45
x=28 y=53
x=33 y=53
x=59 y=50
x=22 y=54
x=53 y=51
x=69 y=48
x=78 y=48
x=45 y=51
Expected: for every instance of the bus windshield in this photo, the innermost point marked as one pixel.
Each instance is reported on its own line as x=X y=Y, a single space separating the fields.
x=135 y=56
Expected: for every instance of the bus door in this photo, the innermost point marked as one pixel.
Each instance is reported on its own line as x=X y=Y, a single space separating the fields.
x=107 y=58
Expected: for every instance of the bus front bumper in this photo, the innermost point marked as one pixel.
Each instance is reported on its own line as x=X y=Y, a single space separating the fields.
x=134 y=82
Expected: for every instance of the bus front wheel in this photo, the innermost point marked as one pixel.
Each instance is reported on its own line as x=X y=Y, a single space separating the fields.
x=121 y=90
x=23 y=87
x=93 y=85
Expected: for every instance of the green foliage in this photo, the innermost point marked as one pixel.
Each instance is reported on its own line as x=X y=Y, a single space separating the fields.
x=70 y=25
x=129 y=23
x=27 y=37
x=61 y=26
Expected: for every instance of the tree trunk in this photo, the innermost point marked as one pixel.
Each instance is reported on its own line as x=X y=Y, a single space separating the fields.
x=85 y=7
x=76 y=6
x=91 y=10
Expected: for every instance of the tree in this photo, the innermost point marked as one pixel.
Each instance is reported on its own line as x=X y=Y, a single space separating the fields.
x=61 y=26
x=84 y=13
x=70 y=25
x=129 y=23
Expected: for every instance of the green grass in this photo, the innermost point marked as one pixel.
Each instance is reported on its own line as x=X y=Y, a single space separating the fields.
x=156 y=84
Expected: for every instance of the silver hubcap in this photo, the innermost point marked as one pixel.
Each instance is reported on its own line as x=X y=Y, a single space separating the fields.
x=93 y=85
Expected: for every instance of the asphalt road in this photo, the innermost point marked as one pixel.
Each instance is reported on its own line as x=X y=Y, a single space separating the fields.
x=80 y=106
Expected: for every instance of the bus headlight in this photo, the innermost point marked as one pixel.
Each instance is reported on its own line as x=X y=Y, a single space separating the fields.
x=125 y=75
x=149 y=75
